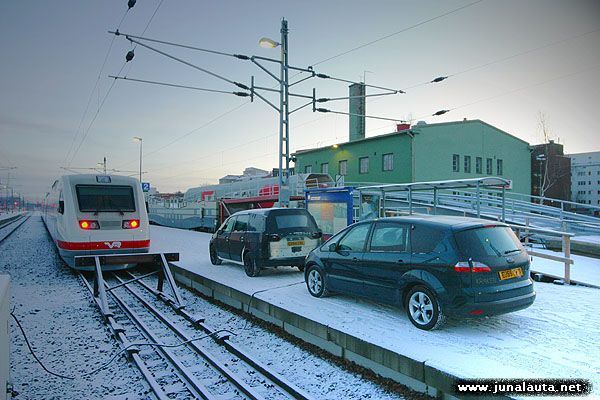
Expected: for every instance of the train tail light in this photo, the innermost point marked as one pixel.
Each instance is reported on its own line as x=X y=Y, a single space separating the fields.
x=131 y=224
x=87 y=224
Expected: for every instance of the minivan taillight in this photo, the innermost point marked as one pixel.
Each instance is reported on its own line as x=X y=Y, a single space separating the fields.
x=316 y=235
x=464 y=266
x=274 y=238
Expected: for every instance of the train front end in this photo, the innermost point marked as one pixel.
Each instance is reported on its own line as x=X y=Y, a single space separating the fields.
x=108 y=216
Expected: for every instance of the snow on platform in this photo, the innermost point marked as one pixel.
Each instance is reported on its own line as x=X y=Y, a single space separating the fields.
x=584 y=269
x=557 y=337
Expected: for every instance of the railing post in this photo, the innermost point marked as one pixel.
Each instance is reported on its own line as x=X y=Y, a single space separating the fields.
x=526 y=231
x=566 y=248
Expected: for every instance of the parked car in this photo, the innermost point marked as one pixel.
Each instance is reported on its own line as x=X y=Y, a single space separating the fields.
x=268 y=237
x=432 y=266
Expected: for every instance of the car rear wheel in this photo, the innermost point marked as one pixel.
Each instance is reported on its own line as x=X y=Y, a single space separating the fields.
x=315 y=282
x=214 y=259
x=250 y=266
x=423 y=309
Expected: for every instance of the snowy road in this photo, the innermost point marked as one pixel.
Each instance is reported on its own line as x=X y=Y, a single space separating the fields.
x=556 y=337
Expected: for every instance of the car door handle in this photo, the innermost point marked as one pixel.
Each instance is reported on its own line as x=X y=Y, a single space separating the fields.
x=354 y=259
x=242 y=239
x=400 y=262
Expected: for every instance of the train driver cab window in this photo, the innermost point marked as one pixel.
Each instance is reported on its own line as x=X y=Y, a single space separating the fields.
x=105 y=198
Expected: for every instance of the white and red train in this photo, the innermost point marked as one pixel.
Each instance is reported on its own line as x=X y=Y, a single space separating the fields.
x=96 y=214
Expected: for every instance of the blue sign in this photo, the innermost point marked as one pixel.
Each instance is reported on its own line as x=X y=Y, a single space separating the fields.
x=145 y=186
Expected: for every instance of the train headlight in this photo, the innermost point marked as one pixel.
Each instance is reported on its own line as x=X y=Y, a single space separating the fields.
x=131 y=224
x=87 y=225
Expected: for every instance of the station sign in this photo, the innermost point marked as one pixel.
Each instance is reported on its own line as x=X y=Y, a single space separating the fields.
x=145 y=186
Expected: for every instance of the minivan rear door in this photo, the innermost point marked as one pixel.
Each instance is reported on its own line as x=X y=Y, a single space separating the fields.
x=495 y=253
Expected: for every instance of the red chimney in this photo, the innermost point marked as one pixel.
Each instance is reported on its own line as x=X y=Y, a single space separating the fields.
x=402 y=127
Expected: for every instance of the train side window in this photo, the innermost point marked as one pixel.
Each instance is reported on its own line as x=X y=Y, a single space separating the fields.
x=61 y=203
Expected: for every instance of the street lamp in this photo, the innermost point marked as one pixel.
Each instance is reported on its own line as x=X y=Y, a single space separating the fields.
x=139 y=139
x=284 y=111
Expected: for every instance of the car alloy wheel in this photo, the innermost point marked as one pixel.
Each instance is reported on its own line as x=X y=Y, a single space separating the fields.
x=423 y=309
x=214 y=258
x=315 y=282
x=250 y=266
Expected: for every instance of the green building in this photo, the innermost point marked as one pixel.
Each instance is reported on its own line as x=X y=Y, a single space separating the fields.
x=425 y=152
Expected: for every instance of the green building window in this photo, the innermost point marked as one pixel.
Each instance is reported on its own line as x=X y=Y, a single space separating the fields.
x=499 y=166
x=388 y=162
x=308 y=169
x=478 y=165
x=455 y=163
x=468 y=164
x=325 y=168
x=363 y=165
x=488 y=166
x=343 y=167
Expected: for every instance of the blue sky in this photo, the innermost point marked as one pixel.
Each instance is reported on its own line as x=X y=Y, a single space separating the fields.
x=52 y=53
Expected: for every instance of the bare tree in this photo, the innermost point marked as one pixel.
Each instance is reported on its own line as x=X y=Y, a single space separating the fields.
x=551 y=176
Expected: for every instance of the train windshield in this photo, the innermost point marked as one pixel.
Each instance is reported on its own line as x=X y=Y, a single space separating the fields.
x=105 y=198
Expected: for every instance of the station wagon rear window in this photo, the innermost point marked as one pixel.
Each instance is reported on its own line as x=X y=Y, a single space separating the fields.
x=495 y=241
x=105 y=198
x=286 y=221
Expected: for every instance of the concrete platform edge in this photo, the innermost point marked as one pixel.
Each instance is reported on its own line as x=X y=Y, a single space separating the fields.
x=409 y=372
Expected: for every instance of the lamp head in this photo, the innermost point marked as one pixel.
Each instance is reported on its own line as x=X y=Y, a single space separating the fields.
x=268 y=43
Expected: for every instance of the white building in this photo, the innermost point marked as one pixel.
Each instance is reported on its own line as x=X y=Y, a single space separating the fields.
x=585 y=178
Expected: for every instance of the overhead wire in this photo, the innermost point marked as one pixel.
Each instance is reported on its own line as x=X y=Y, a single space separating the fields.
x=101 y=104
x=89 y=102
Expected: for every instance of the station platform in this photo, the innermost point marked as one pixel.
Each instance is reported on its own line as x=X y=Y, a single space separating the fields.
x=554 y=338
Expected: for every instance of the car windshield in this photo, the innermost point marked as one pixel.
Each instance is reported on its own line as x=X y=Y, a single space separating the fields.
x=494 y=241
x=99 y=198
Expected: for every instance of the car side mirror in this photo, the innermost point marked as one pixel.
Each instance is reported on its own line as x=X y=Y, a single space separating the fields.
x=61 y=207
x=333 y=247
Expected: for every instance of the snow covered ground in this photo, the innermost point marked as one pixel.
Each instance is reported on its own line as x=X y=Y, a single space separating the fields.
x=62 y=324
x=556 y=337
x=583 y=269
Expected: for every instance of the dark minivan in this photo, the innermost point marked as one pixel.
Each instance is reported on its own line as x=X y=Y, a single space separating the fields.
x=433 y=266
x=267 y=237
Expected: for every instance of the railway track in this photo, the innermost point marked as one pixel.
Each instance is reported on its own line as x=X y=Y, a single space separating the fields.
x=195 y=360
x=10 y=227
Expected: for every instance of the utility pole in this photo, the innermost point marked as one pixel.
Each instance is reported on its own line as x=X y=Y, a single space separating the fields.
x=284 y=116
x=7 y=185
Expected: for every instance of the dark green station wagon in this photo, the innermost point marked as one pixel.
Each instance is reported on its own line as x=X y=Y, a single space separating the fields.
x=432 y=266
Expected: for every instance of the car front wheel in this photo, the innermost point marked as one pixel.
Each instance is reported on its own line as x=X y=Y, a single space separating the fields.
x=423 y=309
x=214 y=258
x=250 y=266
x=315 y=282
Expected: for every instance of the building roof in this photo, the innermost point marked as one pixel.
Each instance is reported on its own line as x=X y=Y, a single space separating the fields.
x=412 y=130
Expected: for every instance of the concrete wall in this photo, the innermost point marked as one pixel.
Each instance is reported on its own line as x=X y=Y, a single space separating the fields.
x=4 y=334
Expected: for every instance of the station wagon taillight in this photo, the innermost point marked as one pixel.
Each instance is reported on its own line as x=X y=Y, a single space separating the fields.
x=274 y=238
x=87 y=225
x=131 y=224
x=465 y=266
